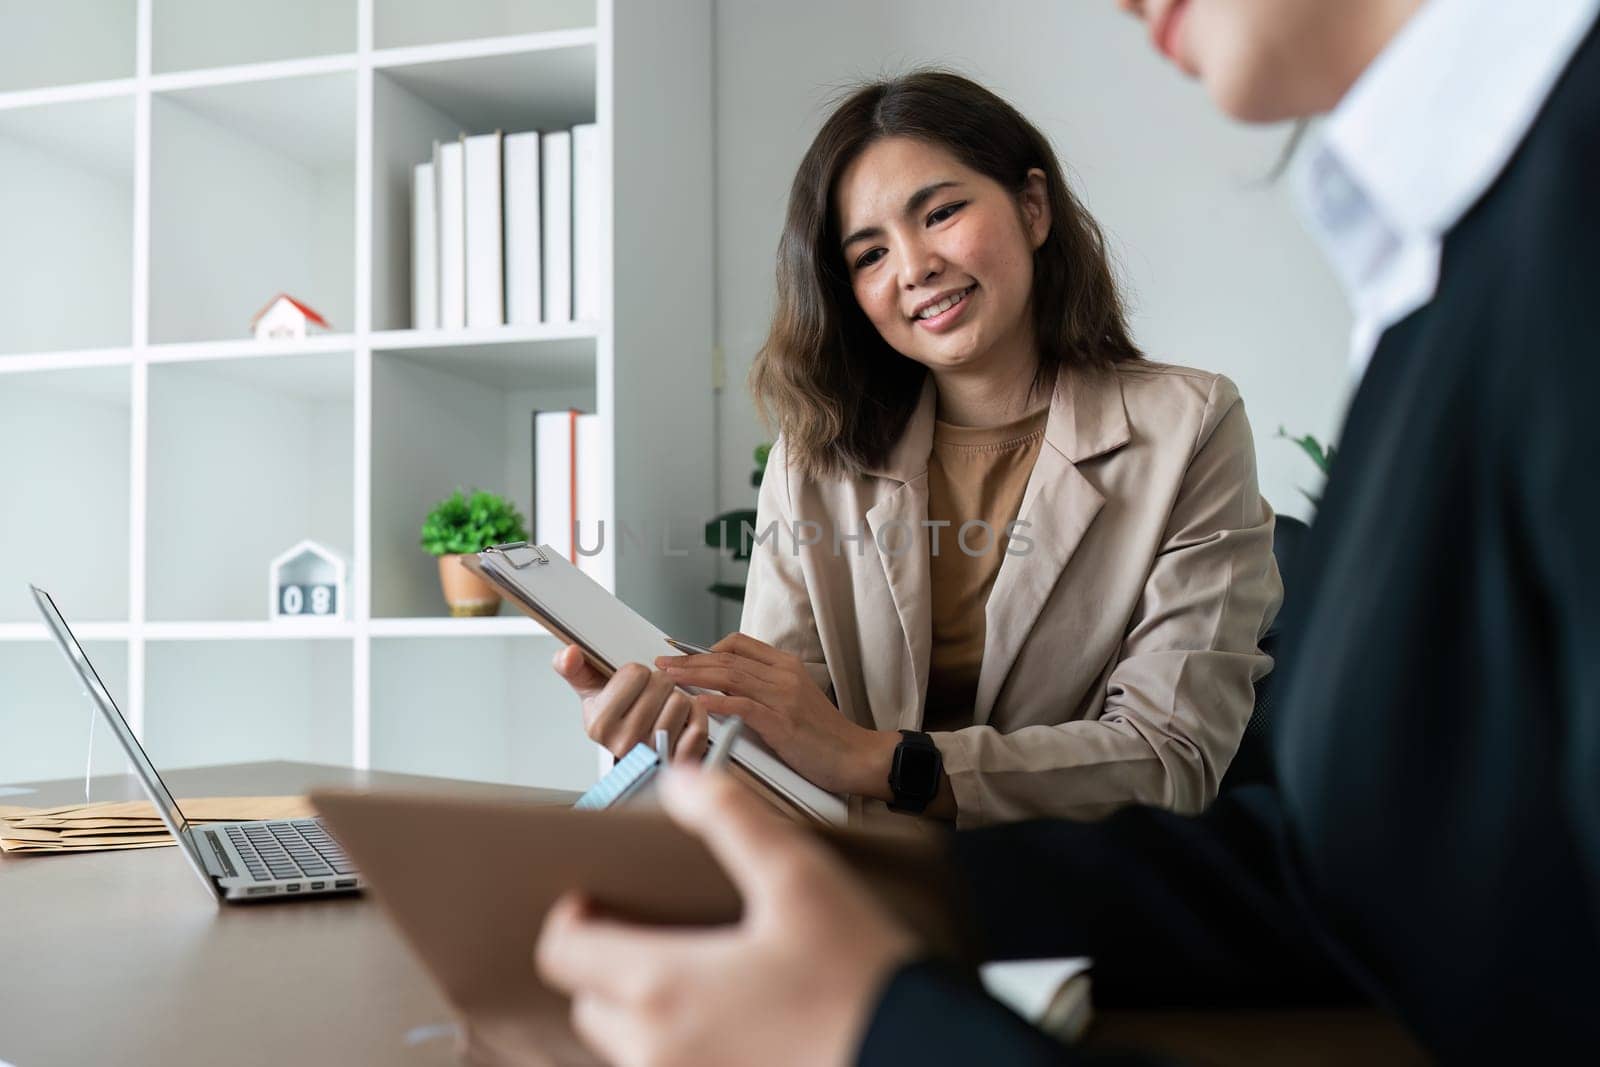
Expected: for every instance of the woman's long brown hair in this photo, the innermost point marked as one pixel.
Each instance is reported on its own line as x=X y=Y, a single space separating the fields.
x=840 y=395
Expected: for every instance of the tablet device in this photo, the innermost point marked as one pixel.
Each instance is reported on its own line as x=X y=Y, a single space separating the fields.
x=468 y=883
x=580 y=611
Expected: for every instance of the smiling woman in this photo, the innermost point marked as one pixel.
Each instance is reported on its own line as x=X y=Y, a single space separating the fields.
x=1006 y=567
x=950 y=356
x=978 y=180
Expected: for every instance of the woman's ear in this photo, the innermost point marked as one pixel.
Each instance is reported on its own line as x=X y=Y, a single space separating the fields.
x=1034 y=200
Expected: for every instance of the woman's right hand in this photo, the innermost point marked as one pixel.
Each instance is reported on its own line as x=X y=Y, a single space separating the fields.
x=632 y=705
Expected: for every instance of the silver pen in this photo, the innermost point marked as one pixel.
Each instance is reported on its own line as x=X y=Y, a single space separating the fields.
x=689 y=648
x=720 y=751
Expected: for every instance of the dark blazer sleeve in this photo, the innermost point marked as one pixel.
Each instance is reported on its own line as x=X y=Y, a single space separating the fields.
x=1175 y=911
x=931 y=1016
x=1552 y=354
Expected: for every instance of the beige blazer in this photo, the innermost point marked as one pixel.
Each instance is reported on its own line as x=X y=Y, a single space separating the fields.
x=1121 y=649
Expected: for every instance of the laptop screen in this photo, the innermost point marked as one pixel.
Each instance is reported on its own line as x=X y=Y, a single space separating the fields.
x=168 y=808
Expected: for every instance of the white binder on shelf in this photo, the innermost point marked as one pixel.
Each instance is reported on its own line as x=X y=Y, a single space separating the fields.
x=485 y=231
x=569 y=452
x=555 y=159
x=556 y=449
x=596 y=539
x=424 y=249
x=449 y=177
x=579 y=611
x=587 y=254
x=523 y=248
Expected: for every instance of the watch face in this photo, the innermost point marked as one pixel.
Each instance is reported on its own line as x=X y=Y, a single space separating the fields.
x=917 y=770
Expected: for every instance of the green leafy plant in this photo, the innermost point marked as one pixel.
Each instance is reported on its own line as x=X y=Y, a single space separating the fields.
x=1320 y=455
x=463 y=523
x=732 y=531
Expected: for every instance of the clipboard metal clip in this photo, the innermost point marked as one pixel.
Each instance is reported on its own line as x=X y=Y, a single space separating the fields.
x=520 y=554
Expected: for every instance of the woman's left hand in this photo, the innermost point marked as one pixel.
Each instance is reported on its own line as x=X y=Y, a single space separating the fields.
x=771 y=691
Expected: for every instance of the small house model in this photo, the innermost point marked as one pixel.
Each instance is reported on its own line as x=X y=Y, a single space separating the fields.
x=307 y=582
x=285 y=319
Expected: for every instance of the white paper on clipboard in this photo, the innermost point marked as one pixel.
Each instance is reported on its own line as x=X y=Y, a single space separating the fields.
x=577 y=608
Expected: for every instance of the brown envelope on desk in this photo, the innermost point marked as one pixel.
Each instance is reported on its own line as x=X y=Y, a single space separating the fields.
x=200 y=809
x=127 y=824
x=92 y=844
x=468 y=882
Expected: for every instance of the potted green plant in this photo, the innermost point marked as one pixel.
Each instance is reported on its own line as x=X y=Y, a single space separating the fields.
x=732 y=531
x=1320 y=455
x=465 y=523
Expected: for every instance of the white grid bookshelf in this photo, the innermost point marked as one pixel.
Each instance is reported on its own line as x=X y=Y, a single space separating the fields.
x=198 y=157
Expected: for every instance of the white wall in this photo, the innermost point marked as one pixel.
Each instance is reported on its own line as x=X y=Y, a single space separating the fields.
x=224 y=190
x=64 y=477
x=62 y=43
x=1220 y=272
x=45 y=717
x=66 y=215
x=247 y=457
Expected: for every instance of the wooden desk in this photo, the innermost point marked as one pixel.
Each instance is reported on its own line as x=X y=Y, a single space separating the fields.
x=1330 y=1037
x=122 y=958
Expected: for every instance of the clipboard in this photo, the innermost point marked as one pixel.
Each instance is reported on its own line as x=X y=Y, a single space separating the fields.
x=580 y=611
x=468 y=883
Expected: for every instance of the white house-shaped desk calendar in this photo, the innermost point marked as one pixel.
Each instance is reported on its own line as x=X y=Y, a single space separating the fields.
x=307 y=582
x=285 y=318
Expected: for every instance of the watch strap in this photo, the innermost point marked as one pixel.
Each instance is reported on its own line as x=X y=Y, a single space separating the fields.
x=911 y=797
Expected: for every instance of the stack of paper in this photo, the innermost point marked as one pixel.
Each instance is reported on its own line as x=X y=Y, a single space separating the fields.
x=128 y=824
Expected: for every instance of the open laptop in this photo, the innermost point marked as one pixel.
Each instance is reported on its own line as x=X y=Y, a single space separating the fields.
x=237 y=861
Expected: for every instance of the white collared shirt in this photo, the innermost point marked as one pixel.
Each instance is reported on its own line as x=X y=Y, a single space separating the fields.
x=1420 y=136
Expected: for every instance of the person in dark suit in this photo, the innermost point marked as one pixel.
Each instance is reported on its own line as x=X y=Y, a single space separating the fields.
x=1431 y=844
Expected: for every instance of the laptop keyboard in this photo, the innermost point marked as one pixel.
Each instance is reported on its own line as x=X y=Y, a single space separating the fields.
x=289 y=849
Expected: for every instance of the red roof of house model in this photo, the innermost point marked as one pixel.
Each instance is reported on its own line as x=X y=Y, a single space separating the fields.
x=311 y=316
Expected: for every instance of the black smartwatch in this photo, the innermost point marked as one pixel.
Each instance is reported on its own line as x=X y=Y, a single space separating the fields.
x=914 y=775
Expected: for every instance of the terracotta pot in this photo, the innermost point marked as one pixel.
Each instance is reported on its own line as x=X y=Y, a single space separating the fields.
x=465 y=592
